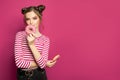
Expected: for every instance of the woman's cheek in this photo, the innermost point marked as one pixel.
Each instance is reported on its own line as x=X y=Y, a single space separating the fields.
x=28 y=22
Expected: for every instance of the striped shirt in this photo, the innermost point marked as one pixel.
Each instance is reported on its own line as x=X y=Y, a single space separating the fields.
x=23 y=54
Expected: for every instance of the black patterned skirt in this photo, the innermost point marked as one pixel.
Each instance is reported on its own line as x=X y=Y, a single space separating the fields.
x=34 y=74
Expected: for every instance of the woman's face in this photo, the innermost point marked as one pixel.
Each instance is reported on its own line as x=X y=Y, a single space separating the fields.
x=32 y=18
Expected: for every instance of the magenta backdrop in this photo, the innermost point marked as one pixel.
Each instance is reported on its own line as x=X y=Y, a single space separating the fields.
x=86 y=33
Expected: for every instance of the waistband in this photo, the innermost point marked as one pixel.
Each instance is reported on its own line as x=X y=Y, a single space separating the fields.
x=29 y=69
x=29 y=72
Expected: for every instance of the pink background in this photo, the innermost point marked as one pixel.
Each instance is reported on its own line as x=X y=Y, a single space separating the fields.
x=84 y=32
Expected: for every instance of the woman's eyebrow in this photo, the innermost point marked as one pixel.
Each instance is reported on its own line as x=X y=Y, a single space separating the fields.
x=31 y=17
x=34 y=16
x=27 y=18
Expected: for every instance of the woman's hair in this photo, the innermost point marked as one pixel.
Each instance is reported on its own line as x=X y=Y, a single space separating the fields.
x=37 y=9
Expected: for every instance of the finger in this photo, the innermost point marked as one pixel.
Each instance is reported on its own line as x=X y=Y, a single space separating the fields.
x=28 y=37
x=33 y=34
x=53 y=61
x=56 y=57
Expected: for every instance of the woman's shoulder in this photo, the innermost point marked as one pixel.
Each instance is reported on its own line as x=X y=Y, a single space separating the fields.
x=45 y=38
x=21 y=33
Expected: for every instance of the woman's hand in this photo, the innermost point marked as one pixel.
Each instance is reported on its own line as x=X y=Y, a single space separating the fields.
x=30 y=38
x=56 y=57
x=50 y=63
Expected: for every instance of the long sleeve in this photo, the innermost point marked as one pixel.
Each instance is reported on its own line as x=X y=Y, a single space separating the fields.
x=19 y=60
x=44 y=55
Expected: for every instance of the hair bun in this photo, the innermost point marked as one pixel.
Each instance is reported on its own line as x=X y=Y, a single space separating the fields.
x=23 y=10
x=41 y=8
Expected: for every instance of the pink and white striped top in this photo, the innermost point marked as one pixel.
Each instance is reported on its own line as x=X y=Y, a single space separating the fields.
x=23 y=54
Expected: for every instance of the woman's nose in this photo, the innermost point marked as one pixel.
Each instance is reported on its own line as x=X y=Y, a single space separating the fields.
x=31 y=22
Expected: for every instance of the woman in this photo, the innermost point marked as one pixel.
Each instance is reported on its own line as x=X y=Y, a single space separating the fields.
x=31 y=50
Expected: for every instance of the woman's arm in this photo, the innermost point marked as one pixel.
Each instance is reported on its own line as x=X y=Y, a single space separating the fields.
x=41 y=59
x=18 y=52
x=35 y=52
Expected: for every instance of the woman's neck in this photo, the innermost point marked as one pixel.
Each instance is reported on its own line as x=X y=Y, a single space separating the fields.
x=38 y=34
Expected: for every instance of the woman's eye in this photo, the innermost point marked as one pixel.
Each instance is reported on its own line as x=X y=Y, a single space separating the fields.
x=26 y=19
x=35 y=18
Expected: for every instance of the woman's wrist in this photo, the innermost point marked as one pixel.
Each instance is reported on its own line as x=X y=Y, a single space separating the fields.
x=31 y=44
